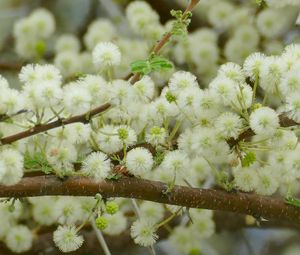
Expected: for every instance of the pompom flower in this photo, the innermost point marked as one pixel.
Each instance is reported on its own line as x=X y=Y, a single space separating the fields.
x=143 y=233
x=139 y=161
x=67 y=239
x=106 y=54
x=97 y=165
x=264 y=121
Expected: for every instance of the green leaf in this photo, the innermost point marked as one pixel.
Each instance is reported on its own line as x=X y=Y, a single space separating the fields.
x=159 y=63
x=114 y=177
x=248 y=159
x=293 y=201
x=37 y=162
x=155 y=63
x=141 y=66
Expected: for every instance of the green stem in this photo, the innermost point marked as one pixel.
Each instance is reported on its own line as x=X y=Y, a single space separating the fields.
x=254 y=90
x=167 y=220
x=174 y=131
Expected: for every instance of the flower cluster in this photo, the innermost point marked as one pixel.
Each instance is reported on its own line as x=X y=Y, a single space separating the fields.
x=221 y=123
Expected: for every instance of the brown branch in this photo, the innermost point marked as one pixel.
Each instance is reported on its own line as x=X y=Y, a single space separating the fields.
x=83 y=118
x=246 y=135
x=10 y=66
x=245 y=203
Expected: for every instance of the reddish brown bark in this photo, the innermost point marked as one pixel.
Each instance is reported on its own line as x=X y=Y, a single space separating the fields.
x=245 y=203
x=83 y=118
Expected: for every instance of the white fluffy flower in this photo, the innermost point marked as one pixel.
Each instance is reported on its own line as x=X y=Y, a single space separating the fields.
x=268 y=183
x=19 y=239
x=68 y=63
x=219 y=14
x=252 y=65
x=152 y=211
x=246 y=179
x=97 y=165
x=76 y=98
x=264 y=121
x=156 y=136
x=176 y=161
x=3 y=83
x=229 y=125
x=270 y=74
x=143 y=232
x=12 y=171
x=44 y=211
x=44 y=22
x=61 y=156
x=67 y=239
x=224 y=88
x=293 y=106
x=108 y=139
x=144 y=88
x=117 y=223
x=100 y=30
x=290 y=83
x=106 y=54
x=271 y=23
x=69 y=210
x=11 y=101
x=127 y=135
x=67 y=42
x=139 y=161
x=232 y=71
x=182 y=80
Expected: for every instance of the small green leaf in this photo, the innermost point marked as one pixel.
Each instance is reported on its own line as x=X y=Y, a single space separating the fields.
x=248 y=159
x=141 y=66
x=114 y=177
x=293 y=201
x=159 y=63
x=37 y=162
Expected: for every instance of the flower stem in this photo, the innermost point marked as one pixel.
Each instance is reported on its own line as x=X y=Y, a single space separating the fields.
x=101 y=238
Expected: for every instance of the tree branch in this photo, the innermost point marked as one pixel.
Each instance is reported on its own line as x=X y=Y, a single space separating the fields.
x=283 y=120
x=245 y=203
x=83 y=118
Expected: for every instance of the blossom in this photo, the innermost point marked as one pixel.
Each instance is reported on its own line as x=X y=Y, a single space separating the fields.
x=67 y=239
x=106 y=54
x=229 y=125
x=97 y=165
x=139 y=161
x=143 y=232
x=182 y=80
x=19 y=239
x=264 y=121
x=252 y=65
x=12 y=167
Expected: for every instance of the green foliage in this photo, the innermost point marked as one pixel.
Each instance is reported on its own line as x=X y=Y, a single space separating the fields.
x=114 y=177
x=248 y=159
x=40 y=48
x=37 y=162
x=158 y=158
x=180 y=23
x=155 y=63
x=293 y=201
